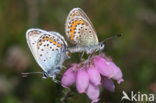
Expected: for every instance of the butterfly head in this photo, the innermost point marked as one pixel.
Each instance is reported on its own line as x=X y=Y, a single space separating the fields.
x=101 y=45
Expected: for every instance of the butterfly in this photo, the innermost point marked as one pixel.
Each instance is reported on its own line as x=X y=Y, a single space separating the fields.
x=49 y=49
x=80 y=32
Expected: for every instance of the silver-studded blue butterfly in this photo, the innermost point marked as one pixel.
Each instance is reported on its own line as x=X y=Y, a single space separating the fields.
x=80 y=31
x=49 y=50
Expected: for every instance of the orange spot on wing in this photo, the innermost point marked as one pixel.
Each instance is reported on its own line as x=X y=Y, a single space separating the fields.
x=55 y=42
x=51 y=40
x=40 y=43
x=47 y=38
x=74 y=24
x=59 y=45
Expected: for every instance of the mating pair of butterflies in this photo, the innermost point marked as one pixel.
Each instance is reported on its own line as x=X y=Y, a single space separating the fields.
x=50 y=49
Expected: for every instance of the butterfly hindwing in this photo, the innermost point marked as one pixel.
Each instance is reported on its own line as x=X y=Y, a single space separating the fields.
x=79 y=29
x=48 y=48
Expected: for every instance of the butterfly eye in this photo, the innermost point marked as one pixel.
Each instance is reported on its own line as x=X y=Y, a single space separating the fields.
x=102 y=46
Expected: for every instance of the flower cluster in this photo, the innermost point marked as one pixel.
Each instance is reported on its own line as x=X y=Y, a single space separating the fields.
x=90 y=74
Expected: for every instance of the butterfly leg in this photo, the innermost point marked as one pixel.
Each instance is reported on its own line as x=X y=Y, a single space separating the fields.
x=64 y=67
x=100 y=51
x=92 y=55
x=57 y=73
x=81 y=58
x=53 y=73
x=54 y=79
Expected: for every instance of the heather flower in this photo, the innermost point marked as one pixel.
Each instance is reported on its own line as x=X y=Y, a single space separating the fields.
x=90 y=74
x=108 y=68
x=117 y=74
x=93 y=92
x=94 y=76
x=69 y=77
x=102 y=66
x=108 y=84
x=82 y=80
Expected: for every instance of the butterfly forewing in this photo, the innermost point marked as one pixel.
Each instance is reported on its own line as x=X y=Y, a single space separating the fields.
x=79 y=29
x=46 y=47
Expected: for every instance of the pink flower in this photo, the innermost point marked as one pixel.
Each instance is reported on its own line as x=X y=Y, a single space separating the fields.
x=82 y=80
x=107 y=68
x=102 y=66
x=69 y=77
x=117 y=74
x=108 y=84
x=90 y=74
x=93 y=92
x=94 y=76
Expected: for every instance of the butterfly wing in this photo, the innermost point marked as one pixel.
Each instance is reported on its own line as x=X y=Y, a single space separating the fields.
x=79 y=29
x=48 y=48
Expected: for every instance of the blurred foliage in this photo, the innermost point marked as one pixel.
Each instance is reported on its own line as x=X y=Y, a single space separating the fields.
x=134 y=52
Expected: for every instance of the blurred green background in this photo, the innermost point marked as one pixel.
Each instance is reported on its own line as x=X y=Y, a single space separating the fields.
x=134 y=52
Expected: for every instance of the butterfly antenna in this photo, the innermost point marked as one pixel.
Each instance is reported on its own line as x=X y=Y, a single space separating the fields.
x=30 y=73
x=112 y=37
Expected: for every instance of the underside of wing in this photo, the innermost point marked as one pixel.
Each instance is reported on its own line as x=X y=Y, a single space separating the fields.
x=46 y=47
x=79 y=29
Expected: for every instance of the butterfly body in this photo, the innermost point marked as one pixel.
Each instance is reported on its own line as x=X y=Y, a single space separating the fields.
x=88 y=49
x=80 y=32
x=49 y=50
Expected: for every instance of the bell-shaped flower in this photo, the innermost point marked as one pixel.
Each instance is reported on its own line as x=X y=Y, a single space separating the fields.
x=93 y=92
x=91 y=73
x=69 y=77
x=108 y=84
x=102 y=66
x=82 y=80
x=117 y=74
x=94 y=76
